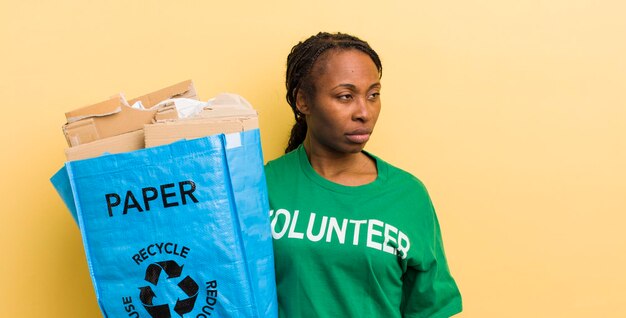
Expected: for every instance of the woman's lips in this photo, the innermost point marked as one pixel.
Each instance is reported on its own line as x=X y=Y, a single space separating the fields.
x=359 y=136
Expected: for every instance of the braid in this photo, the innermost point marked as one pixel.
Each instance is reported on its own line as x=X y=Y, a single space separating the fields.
x=298 y=76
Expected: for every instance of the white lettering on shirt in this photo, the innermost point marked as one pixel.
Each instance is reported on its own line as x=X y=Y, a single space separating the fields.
x=402 y=248
x=292 y=228
x=309 y=230
x=379 y=235
x=278 y=235
x=388 y=238
x=341 y=232
x=357 y=227
x=371 y=232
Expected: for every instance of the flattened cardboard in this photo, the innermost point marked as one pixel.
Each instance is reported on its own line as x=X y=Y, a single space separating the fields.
x=122 y=143
x=223 y=105
x=184 y=89
x=161 y=133
x=93 y=128
x=168 y=112
x=114 y=116
x=81 y=132
x=107 y=107
x=223 y=112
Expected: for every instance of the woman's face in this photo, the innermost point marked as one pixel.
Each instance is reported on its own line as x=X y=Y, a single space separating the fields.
x=345 y=105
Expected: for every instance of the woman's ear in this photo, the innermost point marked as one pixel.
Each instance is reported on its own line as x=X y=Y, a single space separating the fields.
x=301 y=103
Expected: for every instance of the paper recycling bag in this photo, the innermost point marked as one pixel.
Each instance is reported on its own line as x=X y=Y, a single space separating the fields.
x=180 y=230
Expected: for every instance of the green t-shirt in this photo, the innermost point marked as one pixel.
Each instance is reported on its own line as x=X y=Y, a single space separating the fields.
x=367 y=251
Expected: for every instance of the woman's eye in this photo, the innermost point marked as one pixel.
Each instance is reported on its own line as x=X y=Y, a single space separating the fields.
x=374 y=95
x=345 y=97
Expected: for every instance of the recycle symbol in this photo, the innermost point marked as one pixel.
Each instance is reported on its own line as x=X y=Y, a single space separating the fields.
x=187 y=285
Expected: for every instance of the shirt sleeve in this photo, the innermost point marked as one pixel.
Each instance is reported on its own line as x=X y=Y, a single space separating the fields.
x=428 y=289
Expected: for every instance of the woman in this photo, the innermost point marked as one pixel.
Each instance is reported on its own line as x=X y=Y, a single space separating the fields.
x=353 y=235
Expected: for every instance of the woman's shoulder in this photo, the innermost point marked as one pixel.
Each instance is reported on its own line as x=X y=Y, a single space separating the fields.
x=409 y=192
x=285 y=162
x=399 y=177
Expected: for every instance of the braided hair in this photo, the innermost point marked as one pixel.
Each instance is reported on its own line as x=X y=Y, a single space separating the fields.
x=299 y=64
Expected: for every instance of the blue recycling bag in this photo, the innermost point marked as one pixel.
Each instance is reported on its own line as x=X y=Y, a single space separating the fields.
x=180 y=230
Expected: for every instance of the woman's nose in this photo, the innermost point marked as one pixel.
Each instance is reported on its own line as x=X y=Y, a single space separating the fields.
x=361 y=110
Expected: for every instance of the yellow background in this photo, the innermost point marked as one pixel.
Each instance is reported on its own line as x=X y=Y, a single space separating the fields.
x=513 y=113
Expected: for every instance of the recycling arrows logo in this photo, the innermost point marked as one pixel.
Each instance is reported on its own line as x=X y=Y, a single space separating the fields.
x=187 y=285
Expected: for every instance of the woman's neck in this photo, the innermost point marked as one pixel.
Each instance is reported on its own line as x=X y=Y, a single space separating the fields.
x=349 y=169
